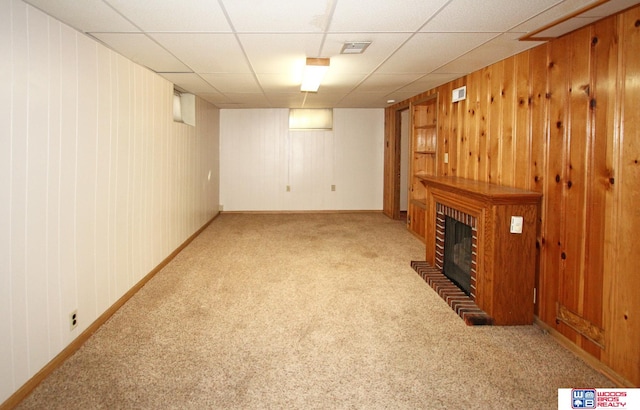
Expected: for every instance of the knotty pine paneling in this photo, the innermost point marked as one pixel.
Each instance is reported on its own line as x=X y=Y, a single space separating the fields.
x=444 y=130
x=484 y=100
x=562 y=119
x=521 y=150
x=553 y=224
x=494 y=112
x=622 y=310
x=538 y=138
x=575 y=182
x=603 y=44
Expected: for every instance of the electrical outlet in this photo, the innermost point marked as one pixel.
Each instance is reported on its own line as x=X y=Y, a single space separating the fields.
x=333 y=187
x=73 y=319
x=288 y=188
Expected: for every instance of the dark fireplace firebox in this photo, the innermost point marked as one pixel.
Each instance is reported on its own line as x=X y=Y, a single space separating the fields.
x=458 y=253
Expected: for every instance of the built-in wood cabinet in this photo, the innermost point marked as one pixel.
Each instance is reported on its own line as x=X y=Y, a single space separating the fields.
x=424 y=135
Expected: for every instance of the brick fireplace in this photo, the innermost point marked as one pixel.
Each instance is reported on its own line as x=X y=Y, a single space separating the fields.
x=502 y=266
x=444 y=212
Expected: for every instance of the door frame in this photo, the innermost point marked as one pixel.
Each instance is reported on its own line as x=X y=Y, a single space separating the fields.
x=392 y=158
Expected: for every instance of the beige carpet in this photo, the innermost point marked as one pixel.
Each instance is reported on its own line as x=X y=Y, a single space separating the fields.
x=305 y=311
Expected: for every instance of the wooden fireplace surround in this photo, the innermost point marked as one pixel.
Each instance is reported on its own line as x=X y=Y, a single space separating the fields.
x=505 y=262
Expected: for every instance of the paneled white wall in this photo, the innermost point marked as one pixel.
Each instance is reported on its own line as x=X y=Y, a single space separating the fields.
x=259 y=157
x=97 y=183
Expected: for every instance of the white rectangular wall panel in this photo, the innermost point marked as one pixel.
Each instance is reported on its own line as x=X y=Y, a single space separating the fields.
x=260 y=157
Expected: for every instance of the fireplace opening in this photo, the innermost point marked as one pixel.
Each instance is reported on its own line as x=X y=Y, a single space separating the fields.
x=458 y=253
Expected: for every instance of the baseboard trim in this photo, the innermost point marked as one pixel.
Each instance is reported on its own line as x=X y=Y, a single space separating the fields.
x=77 y=343
x=596 y=364
x=348 y=211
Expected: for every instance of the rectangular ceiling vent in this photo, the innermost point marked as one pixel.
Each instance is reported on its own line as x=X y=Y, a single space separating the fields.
x=459 y=94
x=354 y=47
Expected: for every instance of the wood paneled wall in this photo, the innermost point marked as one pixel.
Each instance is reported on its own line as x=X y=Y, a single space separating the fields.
x=563 y=119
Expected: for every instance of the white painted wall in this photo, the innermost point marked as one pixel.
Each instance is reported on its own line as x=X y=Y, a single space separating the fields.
x=97 y=183
x=259 y=157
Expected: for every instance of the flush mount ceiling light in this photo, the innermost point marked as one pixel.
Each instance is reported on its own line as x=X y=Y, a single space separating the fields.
x=314 y=71
x=354 y=47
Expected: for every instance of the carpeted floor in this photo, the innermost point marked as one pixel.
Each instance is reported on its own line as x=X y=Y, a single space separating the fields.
x=305 y=311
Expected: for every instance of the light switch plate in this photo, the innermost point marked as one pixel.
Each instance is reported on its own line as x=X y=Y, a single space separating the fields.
x=516 y=224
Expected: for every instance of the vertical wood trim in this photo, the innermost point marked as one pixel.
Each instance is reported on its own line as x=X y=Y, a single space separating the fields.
x=485 y=119
x=507 y=167
x=539 y=142
x=576 y=185
x=495 y=122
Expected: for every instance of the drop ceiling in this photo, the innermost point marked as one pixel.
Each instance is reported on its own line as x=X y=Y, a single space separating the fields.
x=250 y=53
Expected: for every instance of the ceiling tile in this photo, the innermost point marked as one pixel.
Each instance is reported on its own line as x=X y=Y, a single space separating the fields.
x=86 y=15
x=551 y=14
x=282 y=16
x=278 y=83
x=382 y=46
x=174 y=15
x=493 y=51
x=363 y=100
x=142 y=50
x=416 y=45
x=426 y=52
x=425 y=83
x=609 y=8
x=228 y=83
x=320 y=100
x=386 y=83
x=215 y=98
x=280 y=53
x=286 y=100
x=205 y=53
x=245 y=100
x=399 y=96
x=383 y=15
x=190 y=82
x=482 y=16
x=334 y=81
x=566 y=27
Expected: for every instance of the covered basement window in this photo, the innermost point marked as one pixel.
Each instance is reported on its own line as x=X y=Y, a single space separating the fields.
x=184 y=107
x=310 y=119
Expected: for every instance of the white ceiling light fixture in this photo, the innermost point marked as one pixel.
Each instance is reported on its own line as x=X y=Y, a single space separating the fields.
x=354 y=47
x=314 y=71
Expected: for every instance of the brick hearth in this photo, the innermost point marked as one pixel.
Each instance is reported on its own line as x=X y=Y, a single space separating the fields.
x=462 y=304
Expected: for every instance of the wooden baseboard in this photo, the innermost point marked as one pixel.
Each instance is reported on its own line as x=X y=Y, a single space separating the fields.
x=363 y=211
x=68 y=351
x=596 y=364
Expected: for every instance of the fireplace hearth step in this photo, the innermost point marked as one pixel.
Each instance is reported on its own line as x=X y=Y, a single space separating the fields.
x=462 y=304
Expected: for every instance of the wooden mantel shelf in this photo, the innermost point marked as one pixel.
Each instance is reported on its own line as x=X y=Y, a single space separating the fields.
x=481 y=191
x=505 y=260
